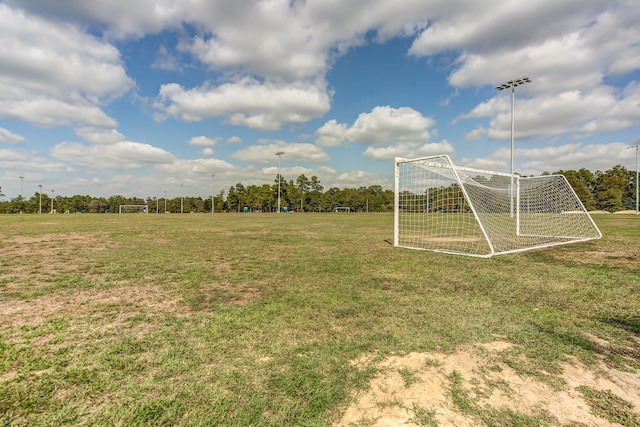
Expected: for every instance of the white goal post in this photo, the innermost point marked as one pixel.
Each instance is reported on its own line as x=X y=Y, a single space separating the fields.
x=133 y=209
x=342 y=209
x=447 y=208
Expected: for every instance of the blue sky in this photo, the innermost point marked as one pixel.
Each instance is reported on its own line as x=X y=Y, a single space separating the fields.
x=137 y=98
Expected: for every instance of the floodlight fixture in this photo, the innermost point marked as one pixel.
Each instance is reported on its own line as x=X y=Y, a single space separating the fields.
x=506 y=85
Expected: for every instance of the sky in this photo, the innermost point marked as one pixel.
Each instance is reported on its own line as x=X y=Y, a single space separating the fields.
x=149 y=98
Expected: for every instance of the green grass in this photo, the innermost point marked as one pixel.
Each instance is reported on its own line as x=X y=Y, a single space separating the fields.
x=254 y=319
x=609 y=406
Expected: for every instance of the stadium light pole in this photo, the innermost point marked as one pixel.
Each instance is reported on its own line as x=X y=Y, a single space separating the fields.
x=21 y=185
x=506 y=85
x=40 y=194
x=636 y=147
x=181 y=197
x=165 y=201
x=279 y=154
x=213 y=189
x=636 y=179
x=52 y=200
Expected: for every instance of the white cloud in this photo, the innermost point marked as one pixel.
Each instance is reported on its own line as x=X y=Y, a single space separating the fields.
x=409 y=150
x=118 y=155
x=618 y=113
x=593 y=157
x=123 y=18
x=100 y=135
x=48 y=112
x=384 y=125
x=551 y=158
x=203 y=141
x=21 y=161
x=234 y=140
x=358 y=178
x=388 y=132
x=207 y=152
x=193 y=168
x=6 y=136
x=331 y=134
x=566 y=112
x=166 y=61
x=263 y=106
x=54 y=73
x=265 y=153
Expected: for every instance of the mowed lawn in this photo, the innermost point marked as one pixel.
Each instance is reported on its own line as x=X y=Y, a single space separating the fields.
x=257 y=319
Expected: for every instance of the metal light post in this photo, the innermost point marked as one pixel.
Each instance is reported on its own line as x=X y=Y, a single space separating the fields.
x=181 y=197
x=157 y=201
x=213 y=176
x=40 y=194
x=636 y=147
x=513 y=84
x=21 y=185
x=636 y=180
x=279 y=154
x=165 y=201
x=52 y=200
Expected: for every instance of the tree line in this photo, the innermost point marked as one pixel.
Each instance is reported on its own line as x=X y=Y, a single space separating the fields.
x=611 y=191
x=301 y=195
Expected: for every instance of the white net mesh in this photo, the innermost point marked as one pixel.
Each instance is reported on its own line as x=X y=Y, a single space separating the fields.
x=442 y=207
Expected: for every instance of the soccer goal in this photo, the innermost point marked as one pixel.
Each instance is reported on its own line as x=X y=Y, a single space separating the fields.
x=133 y=209
x=446 y=208
x=342 y=209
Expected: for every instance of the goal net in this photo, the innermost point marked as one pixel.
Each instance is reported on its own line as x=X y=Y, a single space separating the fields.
x=133 y=209
x=446 y=208
x=342 y=209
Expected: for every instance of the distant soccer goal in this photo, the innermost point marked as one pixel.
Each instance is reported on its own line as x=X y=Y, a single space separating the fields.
x=447 y=208
x=342 y=209
x=133 y=209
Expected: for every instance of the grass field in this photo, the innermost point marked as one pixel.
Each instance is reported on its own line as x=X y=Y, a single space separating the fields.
x=260 y=319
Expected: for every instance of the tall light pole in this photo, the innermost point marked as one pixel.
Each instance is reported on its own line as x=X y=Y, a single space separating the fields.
x=636 y=147
x=506 y=85
x=52 y=200
x=40 y=194
x=636 y=179
x=21 y=185
x=165 y=201
x=181 y=197
x=213 y=189
x=279 y=154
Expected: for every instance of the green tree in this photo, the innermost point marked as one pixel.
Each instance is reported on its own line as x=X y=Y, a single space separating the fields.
x=304 y=186
x=581 y=184
x=314 y=193
x=610 y=188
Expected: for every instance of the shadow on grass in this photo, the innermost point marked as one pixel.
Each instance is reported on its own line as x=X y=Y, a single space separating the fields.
x=630 y=324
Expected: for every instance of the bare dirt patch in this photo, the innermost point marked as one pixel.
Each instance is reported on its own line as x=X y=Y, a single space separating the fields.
x=133 y=300
x=416 y=389
x=29 y=261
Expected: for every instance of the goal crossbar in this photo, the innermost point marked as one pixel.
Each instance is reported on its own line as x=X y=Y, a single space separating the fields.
x=133 y=209
x=443 y=207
